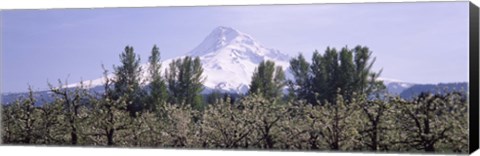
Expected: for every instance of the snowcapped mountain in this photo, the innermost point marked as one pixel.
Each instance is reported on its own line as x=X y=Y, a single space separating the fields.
x=229 y=58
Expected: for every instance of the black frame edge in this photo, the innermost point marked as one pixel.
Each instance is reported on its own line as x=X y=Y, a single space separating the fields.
x=474 y=78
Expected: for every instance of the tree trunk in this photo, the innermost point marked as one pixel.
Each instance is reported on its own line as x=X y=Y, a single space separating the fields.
x=374 y=138
x=110 y=137
x=73 y=133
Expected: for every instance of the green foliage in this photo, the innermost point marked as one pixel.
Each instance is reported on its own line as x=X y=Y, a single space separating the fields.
x=22 y=121
x=54 y=128
x=348 y=70
x=7 y=122
x=185 y=81
x=224 y=126
x=268 y=80
x=300 y=86
x=157 y=89
x=335 y=124
x=433 y=122
x=328 y=109
x=127 y=80
x=71 y=100
x=111 y=117
x=377 y=124
x=266 y=115
x=214 y=97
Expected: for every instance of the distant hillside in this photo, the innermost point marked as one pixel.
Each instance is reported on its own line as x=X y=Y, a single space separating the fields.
x=41 y=97
x=395 y=87
x=441 y=88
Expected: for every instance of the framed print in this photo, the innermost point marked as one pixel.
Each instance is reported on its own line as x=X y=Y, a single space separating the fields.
x=357 y=77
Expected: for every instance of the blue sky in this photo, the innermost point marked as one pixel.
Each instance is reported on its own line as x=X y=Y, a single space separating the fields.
x=413 y=42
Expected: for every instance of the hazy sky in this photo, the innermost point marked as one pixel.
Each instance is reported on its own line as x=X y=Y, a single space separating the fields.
x=413 y=42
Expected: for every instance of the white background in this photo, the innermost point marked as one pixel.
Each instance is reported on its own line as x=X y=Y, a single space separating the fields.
x=47 y=4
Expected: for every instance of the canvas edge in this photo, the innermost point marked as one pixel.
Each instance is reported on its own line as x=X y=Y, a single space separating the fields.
x=474 y=78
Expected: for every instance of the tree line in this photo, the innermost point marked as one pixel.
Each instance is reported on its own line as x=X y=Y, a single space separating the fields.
x=334 y=102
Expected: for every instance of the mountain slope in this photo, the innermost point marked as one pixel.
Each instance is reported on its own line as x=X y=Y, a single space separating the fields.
x=440 y=88
x=229 y=58
x=395 y=87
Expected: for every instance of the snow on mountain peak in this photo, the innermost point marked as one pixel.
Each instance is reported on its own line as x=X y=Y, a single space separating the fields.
x=229 y=40
x=217 y=39
x=223 y=35
x=229 y=58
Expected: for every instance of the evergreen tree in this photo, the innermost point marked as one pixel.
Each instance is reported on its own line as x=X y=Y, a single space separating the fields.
x=215 y=96
x=300 y=70
x=127 y=80
x=360 y=117
x=348 y=70
x=268 y=80
x=318 y=85
x=365 y=82
x=332 y=77
x=158 y=89
x=346 y=73
x=185 y=81
x=279 y=82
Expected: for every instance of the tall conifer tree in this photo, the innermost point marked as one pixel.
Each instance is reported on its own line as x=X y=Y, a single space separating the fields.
x=268 y=80
x=185 y=81
x=348 y=73
x=157 y=88
x=127 y=80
